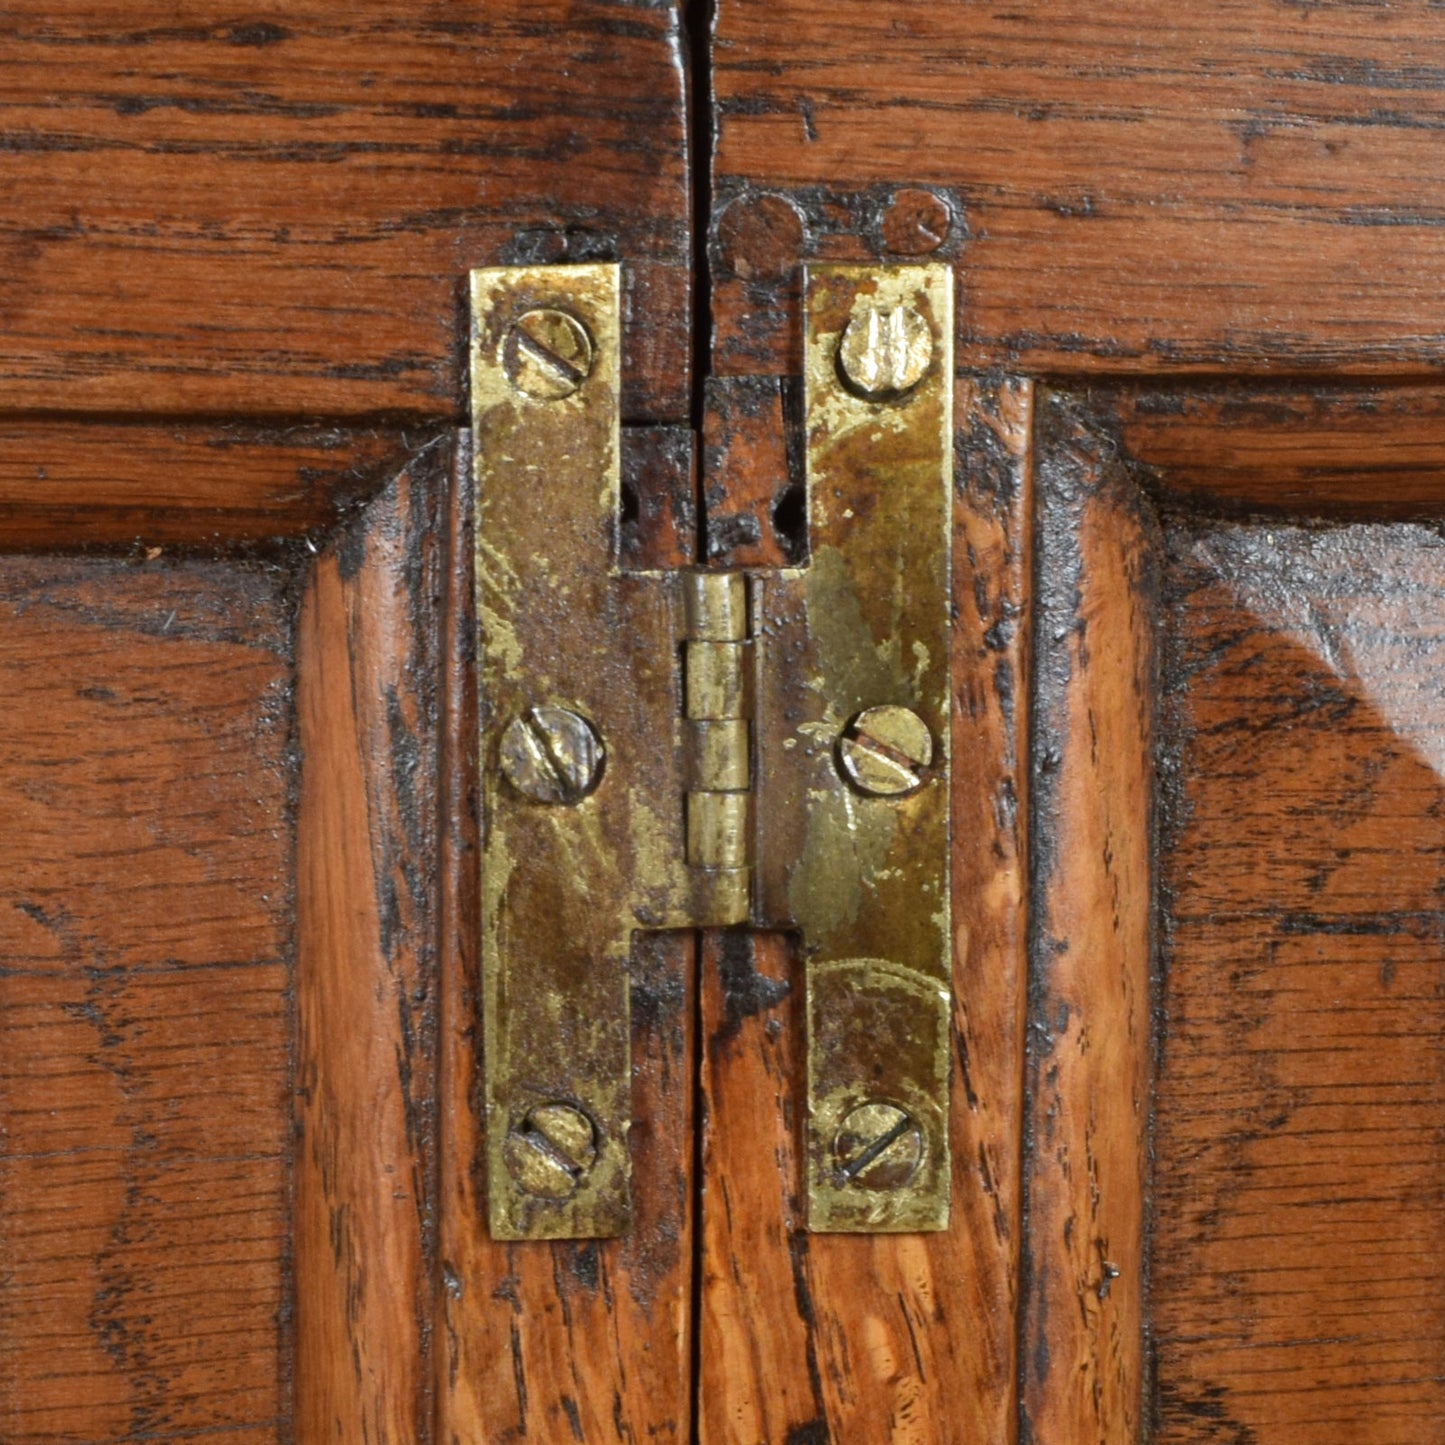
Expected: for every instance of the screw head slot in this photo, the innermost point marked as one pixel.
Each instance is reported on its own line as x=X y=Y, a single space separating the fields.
x=885 y=751
x=884 y=354
x=547 y=354
x=552 y=755
x=551 y=1152
x=878 y=1146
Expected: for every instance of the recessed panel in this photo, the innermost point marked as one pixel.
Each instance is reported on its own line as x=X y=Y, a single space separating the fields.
x=1300 y=1098
x=145 y=901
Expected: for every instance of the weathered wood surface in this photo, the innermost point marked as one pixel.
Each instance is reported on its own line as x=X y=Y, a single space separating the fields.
x=1298 y=1191
x=64 y=485
x=754 y=498
x=273 y=212
x=1090 y=1036
x=1289 y=1281
x=145 y=1001
x=364 y=1223
x=905 y=1338
x=218 y=225
x=588 y=1340
x=1368 y=451
x=1232 y=186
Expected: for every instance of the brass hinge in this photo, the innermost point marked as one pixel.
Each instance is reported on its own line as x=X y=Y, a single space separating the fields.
x=693 y=749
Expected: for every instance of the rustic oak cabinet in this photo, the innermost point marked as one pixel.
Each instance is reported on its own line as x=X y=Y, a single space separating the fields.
x=1196 y=1079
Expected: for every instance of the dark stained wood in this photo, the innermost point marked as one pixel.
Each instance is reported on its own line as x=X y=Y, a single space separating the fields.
x=589 y=1340
x=658 y=497
x=232 y=267
x=761 y=1377
x=978 y=1289
x=273 y=212
x=755 y=511
x=1234 y=186
x=1298 y=1225
x=1289 y=1283
x=145 y=1001
x=65 y=485
x=1367 y=451
x=915 y=222
x=908 y=1338
x=232 y=279
x=366 y=997
x=1090 y=1040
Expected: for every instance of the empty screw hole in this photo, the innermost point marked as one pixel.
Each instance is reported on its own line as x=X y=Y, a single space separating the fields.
x=629 y=507
x=790 y=521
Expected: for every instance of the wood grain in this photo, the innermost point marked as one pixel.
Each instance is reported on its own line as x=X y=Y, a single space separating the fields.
x=144 y=1001
x=1090 y=1042
x=657 y=526
x=816 y=1338
x=232 y=261
x=1316 y=450
x=66 y=484
x=274 y=212
x=1301 y=1093
x=591 y=1340
x=755 y=510
x=1236 y=186
x=366 y=997
x=761 y=1376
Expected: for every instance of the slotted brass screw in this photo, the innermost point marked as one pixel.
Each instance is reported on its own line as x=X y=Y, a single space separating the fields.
x=885 y=751
x=547 y=354
x=550 y=1154
x=878 y=1146
x=884 y=354
x=552 y=755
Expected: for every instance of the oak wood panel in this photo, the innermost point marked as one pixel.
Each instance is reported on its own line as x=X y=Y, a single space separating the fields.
x=816 y=1337
x=1299 y=1230
x=1090 y=1037
x=144 y=1001
x=1235 y=185
x=366 y=996
x=1368 y=451
x=69 y=484
x=762 y=1371
x=588 y=1340
x=273 y=211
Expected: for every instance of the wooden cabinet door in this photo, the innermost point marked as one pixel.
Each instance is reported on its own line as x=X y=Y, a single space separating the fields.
x=1197 y=858
x=1198 y=666
x=233 y=262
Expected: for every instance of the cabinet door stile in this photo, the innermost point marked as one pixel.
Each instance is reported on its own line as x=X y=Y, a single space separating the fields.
x=832 y=1336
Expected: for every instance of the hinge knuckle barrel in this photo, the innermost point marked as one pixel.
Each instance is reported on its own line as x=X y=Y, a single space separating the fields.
x=717 y=606
x=717 y=669
x=718 y=755
x=719 y=830
x=717 y=680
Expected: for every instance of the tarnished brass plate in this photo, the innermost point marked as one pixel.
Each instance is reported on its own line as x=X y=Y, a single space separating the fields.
x=583 y=821
x=853 y=843
x=670 y=750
